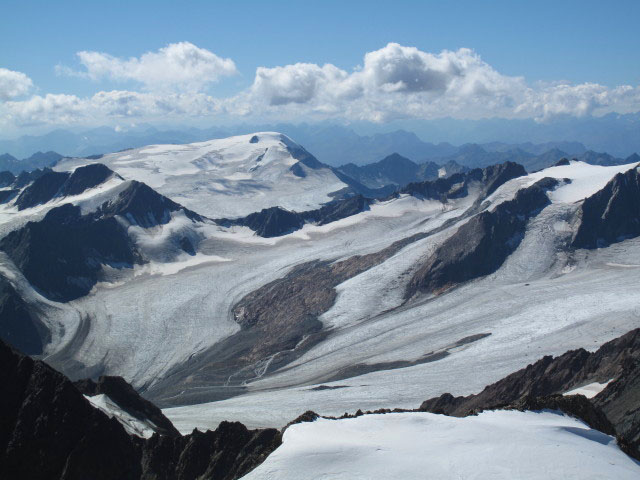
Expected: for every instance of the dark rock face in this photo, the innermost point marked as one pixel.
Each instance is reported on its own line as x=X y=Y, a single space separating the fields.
x=620 y=402
x=272 y=222
x=338 y=210
x=481 y=245
x=119 y=391
x=8 y=195
x=52 y=184
x=229 y=452
x=276 y=221
x=48 y=430
x=611 y=214
x=42 y=189
x=254 y=139
x=456 y=186
x=18 y=326
x=618 y=359
x=84 y=178
x=143 y=206
x=25 y=178
x=62 y=255
x=6 y=178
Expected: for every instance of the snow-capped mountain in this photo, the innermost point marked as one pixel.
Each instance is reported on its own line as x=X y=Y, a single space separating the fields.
x=354 y=294
x=288 y=290
x=229 y=177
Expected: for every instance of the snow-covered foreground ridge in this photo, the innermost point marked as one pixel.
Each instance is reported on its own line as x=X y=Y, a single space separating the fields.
x=228 y=177
x=494 y=444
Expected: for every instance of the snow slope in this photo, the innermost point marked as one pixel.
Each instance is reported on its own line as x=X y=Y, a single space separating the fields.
x=132 y=425
x=496 y=444
x=141 y=322
x=228 y=177
x=542 y=301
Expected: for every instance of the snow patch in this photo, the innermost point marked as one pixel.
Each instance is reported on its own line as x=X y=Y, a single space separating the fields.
x=132 y=425
x=590 y=390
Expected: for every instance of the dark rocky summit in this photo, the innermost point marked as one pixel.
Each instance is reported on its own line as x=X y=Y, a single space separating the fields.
x=618 y=359
x=48 y=430
x=86 y=177
x=62 y=254
x=125 y=396
x=46 y=185
x=481 y=245
x=276 y=221
x=25 y=178
x=269 y=222
x=42 y=189
x=611 y=214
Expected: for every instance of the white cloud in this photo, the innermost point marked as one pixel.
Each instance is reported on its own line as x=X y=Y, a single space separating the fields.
x=404 y=82
x=13 y=84
x=393 y=82
x=178 y=66
x=104 y=107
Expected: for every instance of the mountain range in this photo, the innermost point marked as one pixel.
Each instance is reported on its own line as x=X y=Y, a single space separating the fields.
x=242 y=279
x=332 y=144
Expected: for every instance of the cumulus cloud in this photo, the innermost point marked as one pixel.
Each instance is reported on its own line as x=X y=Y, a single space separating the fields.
x=393 y=82
x=399 y=82
x=13 y=84
x=178 y=66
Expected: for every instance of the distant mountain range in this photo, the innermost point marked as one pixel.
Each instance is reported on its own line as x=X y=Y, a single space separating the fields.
x=37 y=160
x=331 y=144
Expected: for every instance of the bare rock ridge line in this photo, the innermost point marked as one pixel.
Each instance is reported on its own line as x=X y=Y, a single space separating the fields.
x=481 y=245
x=49 y=430
x=617 y=360
x=75 y=246
x=541 y=385
x=276 y=221
x=612 y=214
x=279 y=321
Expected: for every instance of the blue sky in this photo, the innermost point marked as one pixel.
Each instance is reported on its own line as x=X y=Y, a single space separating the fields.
x=568 y=42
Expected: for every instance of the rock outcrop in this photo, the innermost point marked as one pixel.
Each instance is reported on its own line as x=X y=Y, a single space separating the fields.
x=125 y=396
x=611 y=214
x=482 y=244
x=48 y=430
x=617 y=360
x=62 y=254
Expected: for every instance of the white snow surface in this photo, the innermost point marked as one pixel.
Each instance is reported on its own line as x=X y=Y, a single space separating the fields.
x=405 y=446
x=140 y=322
x=590 y=390
x=225 y=178
x=132 y=425
x=585 y=180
